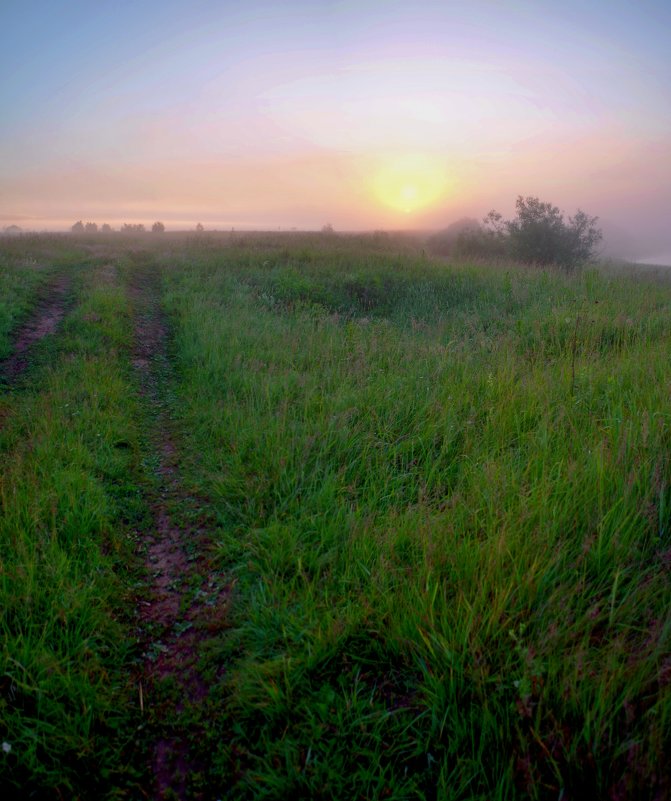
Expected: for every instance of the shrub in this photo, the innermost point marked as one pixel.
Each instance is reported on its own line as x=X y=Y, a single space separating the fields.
x=539 y=234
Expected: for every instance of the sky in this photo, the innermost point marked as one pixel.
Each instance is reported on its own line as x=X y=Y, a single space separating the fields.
x=373 y=114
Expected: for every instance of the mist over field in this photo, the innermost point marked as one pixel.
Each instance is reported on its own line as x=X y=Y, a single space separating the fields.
x=335 y=438
x=365 y=116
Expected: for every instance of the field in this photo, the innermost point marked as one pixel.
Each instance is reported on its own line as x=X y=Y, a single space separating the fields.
x=318 y=516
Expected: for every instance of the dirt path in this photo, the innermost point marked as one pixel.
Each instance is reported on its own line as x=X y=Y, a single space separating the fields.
x=186 y=601
x=43 y=320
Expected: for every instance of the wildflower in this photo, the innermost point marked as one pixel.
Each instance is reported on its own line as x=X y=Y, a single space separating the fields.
x=6 y=747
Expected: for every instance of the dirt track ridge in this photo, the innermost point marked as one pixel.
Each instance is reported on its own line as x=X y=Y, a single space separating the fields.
x=185 y=603
x=43 y=320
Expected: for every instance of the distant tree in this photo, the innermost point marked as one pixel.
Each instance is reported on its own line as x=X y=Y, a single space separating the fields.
x=106 y=228
x=327 y=229
x=539 y=234
x=12 y=229
x=444 y=242
x=199 y=228
x=134 y=228
x=91 y=228
x=158 y=227
x=583 y=237
x=481 y=242
x=78 y=227
x=494 y=224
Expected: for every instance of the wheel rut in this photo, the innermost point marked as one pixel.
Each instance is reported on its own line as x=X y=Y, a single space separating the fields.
x=185 y=601
x=45 y=318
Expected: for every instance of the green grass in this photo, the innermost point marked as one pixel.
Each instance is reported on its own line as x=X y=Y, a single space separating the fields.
x=444 y=494
x=67 y=502
x=19 y=276
x=441 y=493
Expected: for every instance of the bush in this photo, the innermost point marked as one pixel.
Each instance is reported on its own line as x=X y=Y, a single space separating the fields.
x=537 y=235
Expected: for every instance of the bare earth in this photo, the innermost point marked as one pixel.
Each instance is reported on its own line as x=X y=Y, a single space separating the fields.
x=174 y=625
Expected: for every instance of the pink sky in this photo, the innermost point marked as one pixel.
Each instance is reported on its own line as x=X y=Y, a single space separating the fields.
x=365 y=115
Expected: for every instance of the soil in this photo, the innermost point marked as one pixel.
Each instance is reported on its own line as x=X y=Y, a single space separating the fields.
x=185 y=602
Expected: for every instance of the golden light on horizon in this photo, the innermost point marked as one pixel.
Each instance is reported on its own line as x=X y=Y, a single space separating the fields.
x=410 y=183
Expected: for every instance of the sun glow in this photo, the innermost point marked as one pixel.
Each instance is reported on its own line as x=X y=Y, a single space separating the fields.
x=410 y=183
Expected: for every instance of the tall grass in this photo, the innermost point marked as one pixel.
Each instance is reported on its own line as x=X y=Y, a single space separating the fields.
x=444 y=493
x=17 y=285
x=68 y=499
x=441 y=493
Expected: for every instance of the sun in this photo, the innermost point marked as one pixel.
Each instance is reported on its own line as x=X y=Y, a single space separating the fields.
x=410 y=183
x=409 y=195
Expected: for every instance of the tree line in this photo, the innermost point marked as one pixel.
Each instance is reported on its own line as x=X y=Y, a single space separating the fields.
x=92 y=228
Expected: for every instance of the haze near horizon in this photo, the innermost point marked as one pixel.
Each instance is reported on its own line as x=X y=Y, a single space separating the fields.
x=367 y=115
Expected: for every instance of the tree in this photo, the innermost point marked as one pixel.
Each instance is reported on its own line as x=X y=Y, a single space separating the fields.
x=135 y=228
x=327 y=229
x=106 y=228
x=91 y=228
x=78 y=227
x=158 y=227
x=583 y=236
x=539 y=234
x=200 y=228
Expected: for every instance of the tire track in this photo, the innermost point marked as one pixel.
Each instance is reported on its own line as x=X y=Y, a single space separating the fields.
x=45 y=318
x=186 y=602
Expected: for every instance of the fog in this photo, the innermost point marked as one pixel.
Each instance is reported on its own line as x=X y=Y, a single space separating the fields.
x=294 y=115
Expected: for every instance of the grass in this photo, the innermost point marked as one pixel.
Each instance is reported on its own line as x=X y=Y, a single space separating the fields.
x=20 y=275
x=67 y=500
x=441 y=493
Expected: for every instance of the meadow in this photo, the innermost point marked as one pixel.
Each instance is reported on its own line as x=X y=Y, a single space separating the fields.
x=434 y=498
